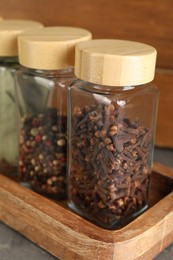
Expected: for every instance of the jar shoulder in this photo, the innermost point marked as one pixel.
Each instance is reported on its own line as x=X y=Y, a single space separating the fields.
x=47 y=74
x=10 y=64
x=84 y=86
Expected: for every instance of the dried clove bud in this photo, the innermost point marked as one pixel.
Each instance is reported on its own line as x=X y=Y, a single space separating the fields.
x=109 y=172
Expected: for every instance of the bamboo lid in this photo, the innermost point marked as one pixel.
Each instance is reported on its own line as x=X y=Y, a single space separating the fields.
x=9 y=30
x=50 y=48
x=115 y=62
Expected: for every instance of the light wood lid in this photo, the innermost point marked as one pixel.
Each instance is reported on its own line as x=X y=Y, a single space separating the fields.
x=9 y=30
x=115 y=62
x=50 y=48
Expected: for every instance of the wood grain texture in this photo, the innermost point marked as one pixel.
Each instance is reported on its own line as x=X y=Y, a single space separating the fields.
x=68 y=236
x=164 y=131
x=50 y=48
x=121 y=63
x=146 y=21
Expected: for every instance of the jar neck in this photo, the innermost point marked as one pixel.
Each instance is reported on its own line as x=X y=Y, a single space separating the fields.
x=97 y=88
x=9 y=59
x=68 y=72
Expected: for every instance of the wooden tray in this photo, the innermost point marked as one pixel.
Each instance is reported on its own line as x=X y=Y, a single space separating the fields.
x=67 y=236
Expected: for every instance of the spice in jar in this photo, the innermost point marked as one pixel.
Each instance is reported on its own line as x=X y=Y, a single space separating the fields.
x=112 y=113
x=47 y=56
x=9 y=30
x=43 y=151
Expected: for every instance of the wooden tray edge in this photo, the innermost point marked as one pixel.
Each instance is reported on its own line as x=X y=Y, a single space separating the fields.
x=67 y=235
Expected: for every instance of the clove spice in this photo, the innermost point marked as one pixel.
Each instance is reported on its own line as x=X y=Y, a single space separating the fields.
x=109 y=176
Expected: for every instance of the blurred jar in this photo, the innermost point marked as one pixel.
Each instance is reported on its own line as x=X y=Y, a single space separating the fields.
x=9 y=30
x=48 y=57
x=112 y=120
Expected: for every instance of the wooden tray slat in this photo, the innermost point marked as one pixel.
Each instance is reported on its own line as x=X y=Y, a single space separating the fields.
x=68 y=236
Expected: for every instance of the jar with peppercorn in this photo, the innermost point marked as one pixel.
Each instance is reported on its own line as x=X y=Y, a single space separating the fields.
x=47 y=55
x=9 y=30
x=112 y=121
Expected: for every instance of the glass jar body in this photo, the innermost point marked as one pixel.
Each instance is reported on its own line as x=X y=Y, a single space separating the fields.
x=111 y=142
x=8 y=121
x=42 y=113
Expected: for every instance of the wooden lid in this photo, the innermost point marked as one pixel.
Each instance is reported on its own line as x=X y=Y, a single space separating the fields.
x=50 y=48
x=9 y=30
x=115 y=62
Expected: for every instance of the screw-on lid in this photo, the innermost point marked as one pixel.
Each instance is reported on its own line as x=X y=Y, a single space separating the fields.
x=115 y=62
x=50 y=48
x=9 y=30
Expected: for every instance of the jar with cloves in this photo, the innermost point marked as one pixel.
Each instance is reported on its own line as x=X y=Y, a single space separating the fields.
x=47 y=56
x=9 y=30
x=112 y=110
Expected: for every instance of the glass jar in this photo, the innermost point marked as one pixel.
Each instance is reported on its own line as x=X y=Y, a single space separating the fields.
x=9 y=29
x=48 y=56
x=112 y=120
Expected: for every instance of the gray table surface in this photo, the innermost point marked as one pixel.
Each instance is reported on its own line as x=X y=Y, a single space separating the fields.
x=13 y=246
